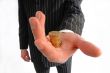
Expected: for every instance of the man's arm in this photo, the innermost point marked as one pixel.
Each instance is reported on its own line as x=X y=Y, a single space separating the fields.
x=73 y=17
x=23 y=27
x=23 y=32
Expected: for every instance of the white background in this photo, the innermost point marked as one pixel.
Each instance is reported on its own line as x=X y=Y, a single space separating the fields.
x=96 y=30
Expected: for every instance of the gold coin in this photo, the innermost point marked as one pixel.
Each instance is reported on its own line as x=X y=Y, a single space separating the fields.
x=55 y=38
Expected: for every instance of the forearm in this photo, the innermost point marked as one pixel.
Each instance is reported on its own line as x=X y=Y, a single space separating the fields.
x=23 y=26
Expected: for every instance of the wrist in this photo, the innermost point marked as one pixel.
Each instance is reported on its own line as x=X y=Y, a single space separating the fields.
x=23 y=49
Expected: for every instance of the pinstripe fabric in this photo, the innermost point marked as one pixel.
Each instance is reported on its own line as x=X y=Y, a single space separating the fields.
x=60 y=14
x=40 y=68
x=62 y=68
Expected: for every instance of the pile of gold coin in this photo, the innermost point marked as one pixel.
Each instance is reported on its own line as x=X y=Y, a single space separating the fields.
x=55 y=38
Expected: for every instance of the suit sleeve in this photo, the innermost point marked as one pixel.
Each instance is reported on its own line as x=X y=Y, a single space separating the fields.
x=23 y=26
x=73 y=17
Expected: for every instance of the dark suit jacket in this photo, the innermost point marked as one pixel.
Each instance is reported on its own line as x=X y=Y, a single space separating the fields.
x=60 y=14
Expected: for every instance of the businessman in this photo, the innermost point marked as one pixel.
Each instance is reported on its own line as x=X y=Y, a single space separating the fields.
x=61 y=15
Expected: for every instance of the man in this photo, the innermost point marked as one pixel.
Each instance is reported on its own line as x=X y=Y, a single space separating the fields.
x=60 y=15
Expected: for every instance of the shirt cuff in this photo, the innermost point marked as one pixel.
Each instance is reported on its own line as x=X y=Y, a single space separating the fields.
x=66 y=30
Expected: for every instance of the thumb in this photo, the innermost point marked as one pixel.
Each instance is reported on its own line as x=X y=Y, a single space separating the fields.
x=89 y=48
x=37 y=28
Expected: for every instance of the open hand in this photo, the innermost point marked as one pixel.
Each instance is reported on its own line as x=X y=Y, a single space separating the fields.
x=70 y=42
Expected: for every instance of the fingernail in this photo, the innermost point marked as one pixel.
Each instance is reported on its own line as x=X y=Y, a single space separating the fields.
x=38 y=14
x=32 y=23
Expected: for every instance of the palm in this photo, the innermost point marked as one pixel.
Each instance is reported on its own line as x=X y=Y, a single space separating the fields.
x=68 y=47
x=60 y=54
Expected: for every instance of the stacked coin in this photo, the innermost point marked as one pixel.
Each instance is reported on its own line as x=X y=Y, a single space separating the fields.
x=55 y=38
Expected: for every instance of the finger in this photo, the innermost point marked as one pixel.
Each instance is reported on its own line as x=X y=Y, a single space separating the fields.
x=48 y=38
x=27 y=58
x=41 y=16
x=37 y=29
x=89 y=48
